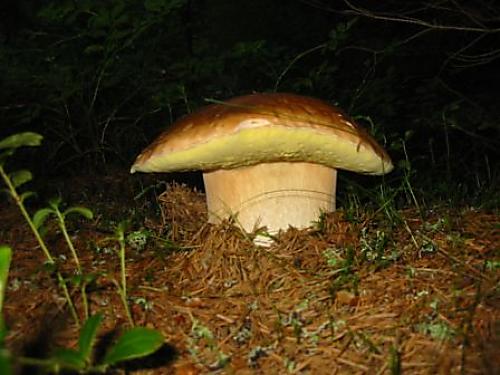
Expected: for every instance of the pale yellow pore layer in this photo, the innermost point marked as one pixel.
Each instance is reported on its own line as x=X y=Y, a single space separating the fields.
x=270 y=144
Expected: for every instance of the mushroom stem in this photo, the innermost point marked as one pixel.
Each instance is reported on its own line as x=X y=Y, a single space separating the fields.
x=274 y=195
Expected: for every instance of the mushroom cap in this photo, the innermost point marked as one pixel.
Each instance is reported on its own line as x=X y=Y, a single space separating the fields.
x=264 y=128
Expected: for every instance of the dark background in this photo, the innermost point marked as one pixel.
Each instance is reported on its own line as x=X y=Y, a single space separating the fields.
x=99 y=79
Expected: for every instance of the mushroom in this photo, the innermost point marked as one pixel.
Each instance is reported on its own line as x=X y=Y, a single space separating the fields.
x=267 y=159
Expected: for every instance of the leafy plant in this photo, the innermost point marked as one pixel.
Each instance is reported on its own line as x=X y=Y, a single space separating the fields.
x=138 y=239
x=120 y=238
x=13 y=181
x=39 y=219
x=343 y=274
x=134 y=343
x=438 y=330
x=202 y=333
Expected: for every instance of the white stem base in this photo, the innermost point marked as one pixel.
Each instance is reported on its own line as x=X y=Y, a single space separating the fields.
x=274 y=195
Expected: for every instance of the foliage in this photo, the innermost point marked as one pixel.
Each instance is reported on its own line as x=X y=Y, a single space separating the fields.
x=99 y=79
x=16 y=179
x=122 y=286
x=135 y=343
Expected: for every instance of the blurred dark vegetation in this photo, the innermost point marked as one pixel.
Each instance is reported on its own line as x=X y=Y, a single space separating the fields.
x=99 y=79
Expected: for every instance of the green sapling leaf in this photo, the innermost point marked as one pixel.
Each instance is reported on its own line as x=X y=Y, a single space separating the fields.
x=85 y=212
x=40 y=216
x=26 y=195
x=135 y=343
x=88 y=335
x=19 y=178
x=20 y=140
x=55 y=202
x=68 y=359
x=121 y=228
x=5 y=155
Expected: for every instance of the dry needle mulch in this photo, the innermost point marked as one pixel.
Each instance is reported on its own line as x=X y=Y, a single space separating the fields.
x=353 y=296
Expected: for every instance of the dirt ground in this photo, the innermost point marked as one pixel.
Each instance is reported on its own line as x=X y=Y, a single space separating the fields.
x=358 y=294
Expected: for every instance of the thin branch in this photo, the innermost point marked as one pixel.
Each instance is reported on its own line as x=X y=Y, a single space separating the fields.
x=461 y=50
x=294 y=60
x=415 y=21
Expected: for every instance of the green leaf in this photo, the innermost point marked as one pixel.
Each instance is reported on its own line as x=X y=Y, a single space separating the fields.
x=5 y=155
x=85 y=212
x=40 y=216
x=121 y=228
x=20 y=140
x=5 y=258
x=43 y=231
x=20 y=177
x=135 y=343
x=26 y=195
x=88 y=335
x=68 y=359
x=55 y=202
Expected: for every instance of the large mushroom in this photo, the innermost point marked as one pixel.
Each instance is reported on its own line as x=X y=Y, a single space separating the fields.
x=267 y=159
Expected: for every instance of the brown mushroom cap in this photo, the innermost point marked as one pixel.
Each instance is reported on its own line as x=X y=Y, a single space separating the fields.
x=264 y=128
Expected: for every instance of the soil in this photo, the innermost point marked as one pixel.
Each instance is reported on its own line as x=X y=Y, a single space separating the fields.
x=375 y=292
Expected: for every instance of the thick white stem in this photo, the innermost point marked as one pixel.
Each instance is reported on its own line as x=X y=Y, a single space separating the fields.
x=274 y=195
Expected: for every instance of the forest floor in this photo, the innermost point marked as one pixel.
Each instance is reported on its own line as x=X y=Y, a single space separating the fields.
x=359 y=294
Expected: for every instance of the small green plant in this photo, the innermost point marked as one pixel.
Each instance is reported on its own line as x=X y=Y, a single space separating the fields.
x=138 y=239
x=120 y=238
x=492 y=265
x=374 y=248
x=39 y=219
x=16 y=179
x=201 y=333
x=438 y=330
x=342 y=262
x=135 y=343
